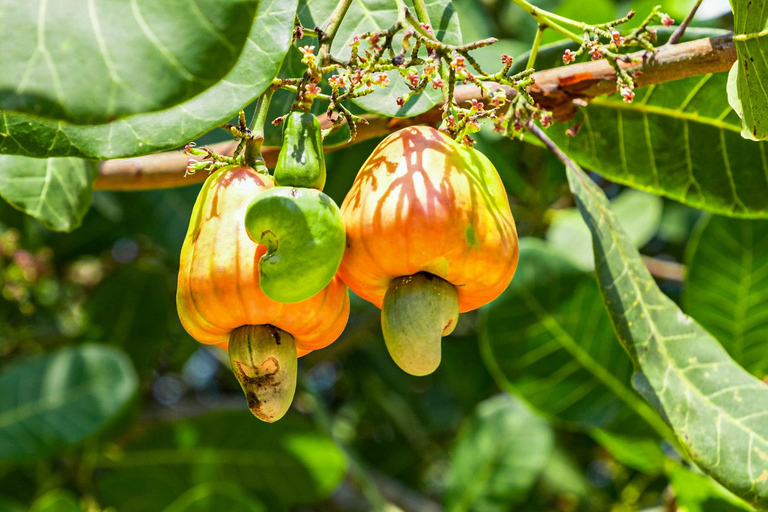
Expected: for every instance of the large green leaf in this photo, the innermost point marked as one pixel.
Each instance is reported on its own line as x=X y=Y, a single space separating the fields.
x=500 y=452
x=727 y=287
x=57 y=399
x=57 y=500
x=183 y=116
x=715 y=407
x=679 y=139
x=293 y=463
x=87 y=62
x=549 y=339
x=748 y=80
x=376 y=15
x=55 y=191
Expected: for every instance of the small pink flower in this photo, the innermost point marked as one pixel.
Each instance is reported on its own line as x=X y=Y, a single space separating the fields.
x=381 y=79
x=498 y=98
x=307 y=50
x=458 y=63
x=546 y=119
x=616 y=37
x=450 y=121
x=477 y=105
x=400 y=101
x=373 y=39
x=666 y=20
x=438 y=83
x=506 y=60
x=413 y=77
x=628 y=94
x=312 y=91
x=426 y=26
x=498 y=126
x=569 y=57
x=596 y=52
x=337 y=81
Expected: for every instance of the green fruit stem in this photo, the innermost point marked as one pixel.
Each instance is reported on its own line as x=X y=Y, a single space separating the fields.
x=417 y=312
x=264 y=360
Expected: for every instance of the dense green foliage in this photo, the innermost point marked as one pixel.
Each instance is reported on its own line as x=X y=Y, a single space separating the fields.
x=589 y=385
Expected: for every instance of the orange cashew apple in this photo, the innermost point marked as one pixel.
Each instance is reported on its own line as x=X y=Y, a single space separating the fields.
x=220 y=302
x=429 y=235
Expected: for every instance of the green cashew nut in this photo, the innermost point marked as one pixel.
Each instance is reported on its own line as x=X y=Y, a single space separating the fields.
x=264 y=360
x=301 y=162
x=305 y=237
x=417 y=312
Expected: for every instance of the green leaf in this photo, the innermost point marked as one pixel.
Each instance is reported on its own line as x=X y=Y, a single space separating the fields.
x=748 y=86
x=727 y=287
x=59 y=399
x=88 y=63
x=715 y=407
x=132 y=309
x=57 y=500
x=293 y=463
x=214 y=498
x=679 y=139
x=638 y=212
x=548 y=339
x=377 y=15
x=695 y=492
x=642 y=454
x=184 y=117
x=55 y=191
x=500 y=453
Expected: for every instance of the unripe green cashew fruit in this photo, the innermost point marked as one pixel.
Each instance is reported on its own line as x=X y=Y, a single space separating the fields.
x=304 y=235
x=301 y=162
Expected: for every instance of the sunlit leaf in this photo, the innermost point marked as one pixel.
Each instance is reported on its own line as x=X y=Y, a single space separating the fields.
x=748 y=85
x=216 y=497
x=172 y=116
x=715 y=407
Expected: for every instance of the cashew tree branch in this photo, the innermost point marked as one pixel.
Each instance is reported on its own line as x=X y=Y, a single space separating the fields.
x=561 y=90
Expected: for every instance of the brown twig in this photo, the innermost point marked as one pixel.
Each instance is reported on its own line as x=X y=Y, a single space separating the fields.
x=560 y=90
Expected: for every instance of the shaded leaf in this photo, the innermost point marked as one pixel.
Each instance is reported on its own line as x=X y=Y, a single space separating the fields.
x=55 y=191
x=132 y=309
x=59 y=399
x=501 y=451
x=186 y=117
x=748 y=86
x=727 y=287
x=294 y=463
x=549 y=339
x=638 y=212
x=214 y=498
x=715 y=407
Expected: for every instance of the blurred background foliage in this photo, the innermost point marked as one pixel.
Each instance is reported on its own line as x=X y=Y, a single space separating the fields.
x=106 y=403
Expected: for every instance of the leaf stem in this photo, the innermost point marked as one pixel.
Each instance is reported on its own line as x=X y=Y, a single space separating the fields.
x=551 y=20
x=324 y=54
x=535 y=47
x=680 y=30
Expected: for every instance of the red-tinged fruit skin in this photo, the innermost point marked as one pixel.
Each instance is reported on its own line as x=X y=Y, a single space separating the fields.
x=423 y=203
